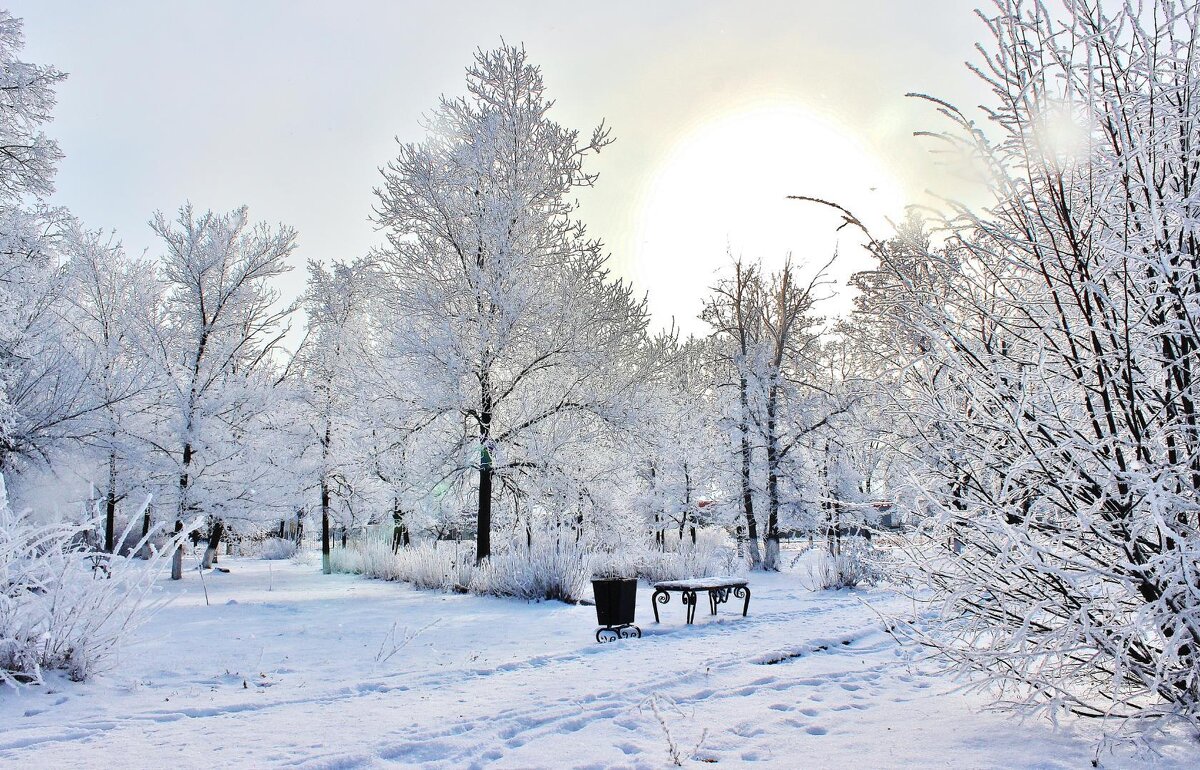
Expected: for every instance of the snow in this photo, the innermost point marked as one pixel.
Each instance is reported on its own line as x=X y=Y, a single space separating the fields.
x=290 y=667
x=700 y=584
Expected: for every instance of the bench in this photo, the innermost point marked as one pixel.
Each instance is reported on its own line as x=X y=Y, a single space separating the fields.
x=718 y=589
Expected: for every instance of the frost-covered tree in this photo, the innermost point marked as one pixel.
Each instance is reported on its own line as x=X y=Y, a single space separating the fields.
x=214 y=340
x=767 y=341
x=676 y=441
x=1057 y=383
x=792 y=402
x=495 y=294
x=330 y=366
x=54 y=397
x=43 y=387
x=889 y=347
x=733 y=314
x=869 y=437
x=29 y=158
x=107 y=296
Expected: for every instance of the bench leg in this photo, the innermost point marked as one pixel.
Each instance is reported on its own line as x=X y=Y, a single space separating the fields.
x=689 y=598
x=659 y=597
x=739 y=592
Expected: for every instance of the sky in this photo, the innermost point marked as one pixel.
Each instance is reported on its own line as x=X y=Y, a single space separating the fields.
x=719 y=110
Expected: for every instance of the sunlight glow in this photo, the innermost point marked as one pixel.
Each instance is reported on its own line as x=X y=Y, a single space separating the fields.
x=723 y=187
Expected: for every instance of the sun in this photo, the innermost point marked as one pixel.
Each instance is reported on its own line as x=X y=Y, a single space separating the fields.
x=723 y=189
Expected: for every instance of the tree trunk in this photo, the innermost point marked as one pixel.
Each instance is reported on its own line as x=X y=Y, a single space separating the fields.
x=177 y=557
x=399 y=530
x=184 y=484
x=771 y=540
x=771 y=557
x=214 y=541
x=747 y=491
x=145 y=550
x=483 y=523
x=687 y=503
x=326 y=566
x=483 y=529
x=110 y=504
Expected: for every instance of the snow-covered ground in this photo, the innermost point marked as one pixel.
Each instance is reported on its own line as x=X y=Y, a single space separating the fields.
x=288 y=667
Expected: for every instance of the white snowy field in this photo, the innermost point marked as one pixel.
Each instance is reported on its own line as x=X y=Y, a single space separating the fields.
x=288 y=667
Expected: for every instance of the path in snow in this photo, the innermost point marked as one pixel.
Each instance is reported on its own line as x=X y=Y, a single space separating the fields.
x=290 y=668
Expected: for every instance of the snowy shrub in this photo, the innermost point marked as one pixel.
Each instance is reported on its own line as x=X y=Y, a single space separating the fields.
x=853 y=564
x=545 y=571
x=615 y=565
x=306 y=557
x=430 y=565
x=345 y=560
x=462 y=571
x=425 y=565
x=713 y=554
x=709 y=557
x=128 y=540
x=367 y=558
x=63 y=605
x=275 y=548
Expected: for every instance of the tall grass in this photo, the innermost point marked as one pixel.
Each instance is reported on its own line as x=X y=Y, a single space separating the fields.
x=547 y=570
x=425 y=565
x=63 y=605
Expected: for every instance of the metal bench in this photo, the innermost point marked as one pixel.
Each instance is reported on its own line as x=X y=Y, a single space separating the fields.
x=718 y=589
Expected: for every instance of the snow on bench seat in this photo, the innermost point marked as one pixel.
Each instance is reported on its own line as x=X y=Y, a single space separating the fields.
x=699 y=584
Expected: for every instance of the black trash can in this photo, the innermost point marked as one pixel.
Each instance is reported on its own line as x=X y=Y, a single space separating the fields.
x=616 y=601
